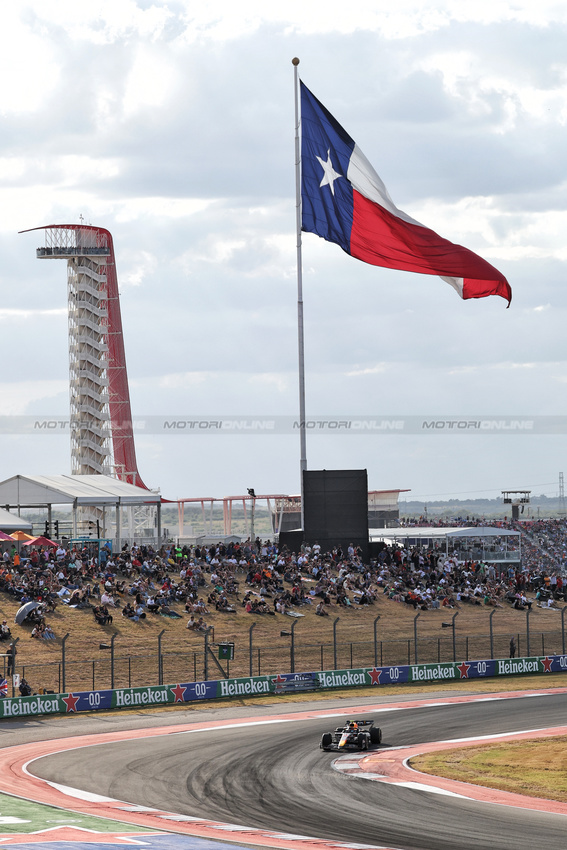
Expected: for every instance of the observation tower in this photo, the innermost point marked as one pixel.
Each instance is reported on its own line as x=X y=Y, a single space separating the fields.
x=102 y=437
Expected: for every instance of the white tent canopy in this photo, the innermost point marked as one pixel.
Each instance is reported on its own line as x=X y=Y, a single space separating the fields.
x=78 y=491
x=98 y=490
x=12 y=522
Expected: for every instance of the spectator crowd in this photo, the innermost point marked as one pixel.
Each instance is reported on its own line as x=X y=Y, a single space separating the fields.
x=258 y=578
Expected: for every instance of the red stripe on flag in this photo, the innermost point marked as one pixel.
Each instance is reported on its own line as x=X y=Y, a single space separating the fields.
x=382 y=239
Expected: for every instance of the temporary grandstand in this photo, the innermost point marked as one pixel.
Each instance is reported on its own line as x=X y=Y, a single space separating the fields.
x=476 y=543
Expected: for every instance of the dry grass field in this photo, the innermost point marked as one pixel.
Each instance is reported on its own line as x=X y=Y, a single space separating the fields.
x=533 y=768
x=136 y=643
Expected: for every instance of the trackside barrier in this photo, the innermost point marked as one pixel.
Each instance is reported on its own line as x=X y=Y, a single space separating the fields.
x=283 y=683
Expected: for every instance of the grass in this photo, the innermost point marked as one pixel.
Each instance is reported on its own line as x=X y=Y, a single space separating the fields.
x=532 y=768
x=183 y=650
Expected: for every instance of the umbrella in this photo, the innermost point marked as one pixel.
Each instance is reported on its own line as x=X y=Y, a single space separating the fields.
x=21 y=535
x=23 y=612
x=4 y=536
x=39 y=541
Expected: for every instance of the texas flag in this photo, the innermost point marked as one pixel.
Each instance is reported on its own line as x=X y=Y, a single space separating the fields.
x=345 y=201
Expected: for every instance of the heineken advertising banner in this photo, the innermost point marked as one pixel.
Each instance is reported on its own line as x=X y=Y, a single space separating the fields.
x=283 y=683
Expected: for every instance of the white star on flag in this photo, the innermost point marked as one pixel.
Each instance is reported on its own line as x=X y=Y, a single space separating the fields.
x=329 y=173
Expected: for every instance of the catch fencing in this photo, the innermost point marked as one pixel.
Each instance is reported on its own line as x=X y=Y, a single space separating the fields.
x=201 y=659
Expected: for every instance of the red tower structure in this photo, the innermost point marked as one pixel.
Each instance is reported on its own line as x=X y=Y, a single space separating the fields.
x=102 y=435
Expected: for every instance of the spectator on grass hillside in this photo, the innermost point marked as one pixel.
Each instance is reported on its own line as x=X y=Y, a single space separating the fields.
x=107 y=599
x=102 y=615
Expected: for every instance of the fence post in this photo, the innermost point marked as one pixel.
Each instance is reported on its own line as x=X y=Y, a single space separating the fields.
x=252 y=627
x=63 y=642
x=376 y=642
x=455 y=615
x=335 y=621
x=12 y=661
x=415 y=619
x=159 y=658
x=528 y=612
x=112 y=639
x=563 y=629
x=206 y=666
x=492 y=613
x=292 y=647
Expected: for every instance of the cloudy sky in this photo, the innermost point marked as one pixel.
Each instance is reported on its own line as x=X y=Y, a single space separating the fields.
x=173 y=127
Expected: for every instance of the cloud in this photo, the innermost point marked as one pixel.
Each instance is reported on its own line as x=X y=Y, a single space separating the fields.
x=369 y=370
x=22 y=313
x=279 y=382
x=18 y=395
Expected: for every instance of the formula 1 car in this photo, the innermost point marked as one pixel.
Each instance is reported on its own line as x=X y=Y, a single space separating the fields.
x=354 y=735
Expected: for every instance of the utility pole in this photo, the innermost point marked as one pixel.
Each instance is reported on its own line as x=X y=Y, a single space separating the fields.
x=252 y=493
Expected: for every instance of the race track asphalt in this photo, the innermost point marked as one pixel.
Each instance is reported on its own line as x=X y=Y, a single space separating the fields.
x=275 y=776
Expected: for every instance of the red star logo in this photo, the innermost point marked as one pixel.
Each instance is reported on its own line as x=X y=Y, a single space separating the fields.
x=547 y=662
x=71 y=702
x=374 y=676
x=279 y=681
x=178 y=692
x=464 y=669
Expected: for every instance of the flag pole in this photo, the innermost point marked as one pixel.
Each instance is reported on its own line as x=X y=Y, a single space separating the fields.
x=302 y=435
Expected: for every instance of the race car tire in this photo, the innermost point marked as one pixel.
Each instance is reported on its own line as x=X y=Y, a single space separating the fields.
x=375 y=735
x=326 y=741
x=362 y=742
